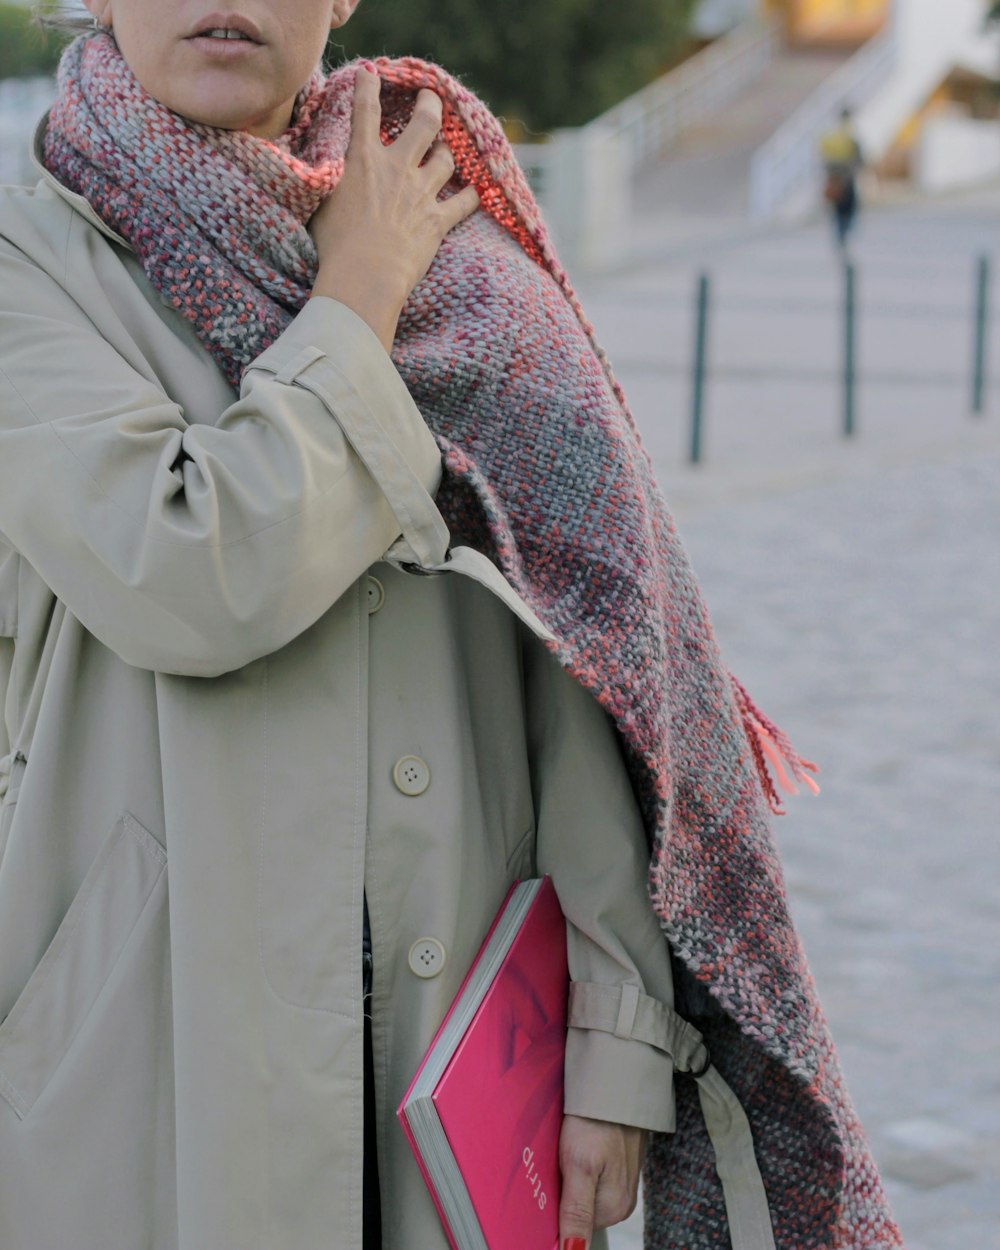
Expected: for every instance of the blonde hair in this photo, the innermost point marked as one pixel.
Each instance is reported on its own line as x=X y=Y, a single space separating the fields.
x=71 y=19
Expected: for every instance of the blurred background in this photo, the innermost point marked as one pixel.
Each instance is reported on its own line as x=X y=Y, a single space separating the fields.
x=822 y=407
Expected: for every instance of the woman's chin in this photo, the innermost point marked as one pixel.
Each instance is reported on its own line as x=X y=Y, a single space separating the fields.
x=226 y=111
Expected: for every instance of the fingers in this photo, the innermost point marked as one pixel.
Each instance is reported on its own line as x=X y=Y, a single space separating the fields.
x=458 y=207
x=600 y=1165
x=422 y=128
x=440 y=165
x=581 y=1163
x=418 y=141
x=440 y=169
x=367 y=118
x=391 y=208
x=616 y=1200
x=576 y=1205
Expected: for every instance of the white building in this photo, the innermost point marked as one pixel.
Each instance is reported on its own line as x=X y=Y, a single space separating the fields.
x=915 y=112
x=906 y=68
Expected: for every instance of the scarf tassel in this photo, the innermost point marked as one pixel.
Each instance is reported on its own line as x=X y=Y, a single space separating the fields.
x=773 y=752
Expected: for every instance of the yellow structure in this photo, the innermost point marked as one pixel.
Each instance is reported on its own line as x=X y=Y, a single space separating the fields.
x=830 y=21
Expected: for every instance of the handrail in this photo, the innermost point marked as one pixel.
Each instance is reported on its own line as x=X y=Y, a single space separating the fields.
x=697 y=90
x=587 y=207
x=790 y=158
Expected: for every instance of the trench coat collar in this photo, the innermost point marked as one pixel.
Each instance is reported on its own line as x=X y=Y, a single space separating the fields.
x=76 y=201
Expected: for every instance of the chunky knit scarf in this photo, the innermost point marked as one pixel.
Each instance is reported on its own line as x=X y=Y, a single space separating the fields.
x=544 y=472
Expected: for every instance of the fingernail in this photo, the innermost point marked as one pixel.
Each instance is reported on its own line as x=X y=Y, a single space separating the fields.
x=574 y=1243
x=370 y=66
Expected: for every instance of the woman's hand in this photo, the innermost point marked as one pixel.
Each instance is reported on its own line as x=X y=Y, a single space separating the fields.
x=378 y=232
x=600 y=1166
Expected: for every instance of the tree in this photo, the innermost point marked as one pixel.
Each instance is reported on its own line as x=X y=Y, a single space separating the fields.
x=25 y=51
x=540 y=63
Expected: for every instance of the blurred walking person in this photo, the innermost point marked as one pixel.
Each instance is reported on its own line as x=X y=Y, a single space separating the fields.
x=842 y=161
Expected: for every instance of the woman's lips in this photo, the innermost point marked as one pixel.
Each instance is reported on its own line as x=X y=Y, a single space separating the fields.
x=224 y=49
x=230 y=22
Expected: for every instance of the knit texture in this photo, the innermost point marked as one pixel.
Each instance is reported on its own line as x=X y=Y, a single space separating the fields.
x=545 y=473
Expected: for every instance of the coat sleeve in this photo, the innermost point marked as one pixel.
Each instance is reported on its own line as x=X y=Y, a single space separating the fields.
x=591 y=841
x=196 y=548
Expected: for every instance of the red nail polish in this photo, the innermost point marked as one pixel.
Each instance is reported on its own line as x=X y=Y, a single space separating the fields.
x=574 y=1243
x=370 y=66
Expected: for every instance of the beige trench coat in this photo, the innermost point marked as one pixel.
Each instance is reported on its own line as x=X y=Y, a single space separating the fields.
x=229 y=709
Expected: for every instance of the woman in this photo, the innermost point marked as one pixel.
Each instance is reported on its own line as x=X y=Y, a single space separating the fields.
x=237 y=636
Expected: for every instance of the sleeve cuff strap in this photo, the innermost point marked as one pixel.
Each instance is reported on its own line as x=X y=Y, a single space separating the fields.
x=626 y=1013
x=608 y=1009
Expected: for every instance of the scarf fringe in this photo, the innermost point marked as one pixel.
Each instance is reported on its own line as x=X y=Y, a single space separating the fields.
x=772 y=751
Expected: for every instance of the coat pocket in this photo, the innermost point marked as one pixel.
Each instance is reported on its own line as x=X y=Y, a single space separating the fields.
x=63 y=989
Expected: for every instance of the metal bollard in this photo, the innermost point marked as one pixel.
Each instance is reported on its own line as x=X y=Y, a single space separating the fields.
x=982 y=325
x=850 y=349
x=700 y=365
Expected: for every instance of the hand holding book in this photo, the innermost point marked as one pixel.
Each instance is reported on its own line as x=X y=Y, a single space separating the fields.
x=600 y=1165
x=484 y=1113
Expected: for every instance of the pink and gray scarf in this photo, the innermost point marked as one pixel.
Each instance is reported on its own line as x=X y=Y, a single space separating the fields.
x=545 y=473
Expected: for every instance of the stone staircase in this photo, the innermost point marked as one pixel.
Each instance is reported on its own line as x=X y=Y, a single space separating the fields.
x=702 y=181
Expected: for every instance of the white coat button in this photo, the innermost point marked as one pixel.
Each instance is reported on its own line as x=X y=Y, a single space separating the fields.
x=376 y=595
x=411 y=775
x=427 y=957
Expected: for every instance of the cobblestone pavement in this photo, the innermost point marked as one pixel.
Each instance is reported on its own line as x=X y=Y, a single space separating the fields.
x=855 y=588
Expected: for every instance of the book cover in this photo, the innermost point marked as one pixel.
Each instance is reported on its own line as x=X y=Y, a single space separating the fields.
x=484 y=1111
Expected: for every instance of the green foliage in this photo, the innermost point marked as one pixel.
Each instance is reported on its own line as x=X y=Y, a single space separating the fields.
x=994 y=13
x=540 y=63
x=25 y=50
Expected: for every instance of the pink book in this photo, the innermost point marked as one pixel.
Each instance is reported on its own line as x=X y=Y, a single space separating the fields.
x=484 y=1111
